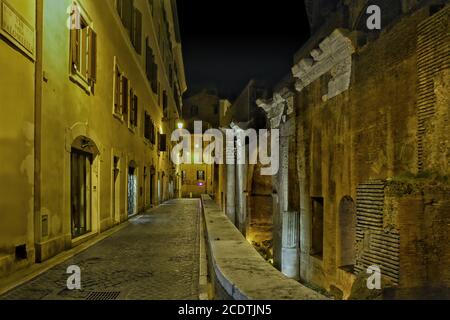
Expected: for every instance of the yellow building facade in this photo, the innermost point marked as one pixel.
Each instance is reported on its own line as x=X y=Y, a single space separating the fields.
x=90 y=107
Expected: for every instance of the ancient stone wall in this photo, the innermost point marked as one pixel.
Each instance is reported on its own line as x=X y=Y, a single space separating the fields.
x=420 y=210
x=361 y=133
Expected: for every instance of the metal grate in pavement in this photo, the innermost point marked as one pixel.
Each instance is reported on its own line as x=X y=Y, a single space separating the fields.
x=103 y=296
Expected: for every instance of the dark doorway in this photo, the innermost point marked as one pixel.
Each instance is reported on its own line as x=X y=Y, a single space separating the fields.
x=81 y=164
x=115 y=190
x=347 y=232
x=152 y=185
x=132 y=191
x=317 y=228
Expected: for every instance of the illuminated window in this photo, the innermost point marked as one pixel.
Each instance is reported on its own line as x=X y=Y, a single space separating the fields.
x=201 y=175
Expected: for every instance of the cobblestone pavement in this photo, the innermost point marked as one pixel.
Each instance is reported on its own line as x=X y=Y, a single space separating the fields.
x=155 y=258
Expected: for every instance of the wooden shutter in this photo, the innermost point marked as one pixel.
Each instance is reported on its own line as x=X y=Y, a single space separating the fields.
x=152 y=133
x=119 y=6
x=117 y=97
x=92 y=54
x=148 y=60
x=131 y=108
x=74 y=50
x=138 y=31
x=127 y=15
x=135 y=111
x=154 y=76
x=147 y=126
x=124 y=97
x=162 y=143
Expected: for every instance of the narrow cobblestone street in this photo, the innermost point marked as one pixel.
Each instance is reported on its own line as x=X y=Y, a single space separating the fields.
x=155 y=258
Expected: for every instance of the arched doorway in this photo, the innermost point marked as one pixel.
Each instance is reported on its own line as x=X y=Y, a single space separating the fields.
x=82 y=156
x=346 y=233
x=132 y=188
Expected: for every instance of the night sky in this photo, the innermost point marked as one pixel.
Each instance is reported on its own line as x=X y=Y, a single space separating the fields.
x=228 y=42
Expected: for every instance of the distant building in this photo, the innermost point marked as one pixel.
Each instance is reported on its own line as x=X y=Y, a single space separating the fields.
x=204 y=105
x=207 y=107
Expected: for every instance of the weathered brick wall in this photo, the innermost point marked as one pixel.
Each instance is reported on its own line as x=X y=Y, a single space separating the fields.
x=377 y=237
x=420 y=211
x=433 y=64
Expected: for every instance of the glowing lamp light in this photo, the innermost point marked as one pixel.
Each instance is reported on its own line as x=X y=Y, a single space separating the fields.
x=200 y=184
x=180 y=125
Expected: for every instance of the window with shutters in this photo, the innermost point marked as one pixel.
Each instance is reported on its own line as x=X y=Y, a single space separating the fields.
x=136 y=33
x=147 y=120
x=133 y=124
x=149 y=129
x=151 y=68
x=152 y=133
x=152 y=6
x=83 y=50
x=121 y=94
x=132 y=21
x=162 y=142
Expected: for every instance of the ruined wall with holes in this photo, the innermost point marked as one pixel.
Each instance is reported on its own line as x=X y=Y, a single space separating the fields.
x=351 y=145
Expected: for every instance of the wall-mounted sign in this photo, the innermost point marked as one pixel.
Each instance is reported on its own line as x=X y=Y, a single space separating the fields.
x=17 y=29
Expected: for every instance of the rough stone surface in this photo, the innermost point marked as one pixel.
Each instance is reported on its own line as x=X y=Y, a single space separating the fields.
x=155 y=258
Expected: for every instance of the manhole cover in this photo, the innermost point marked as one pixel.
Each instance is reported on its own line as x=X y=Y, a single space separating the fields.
x=102 y=296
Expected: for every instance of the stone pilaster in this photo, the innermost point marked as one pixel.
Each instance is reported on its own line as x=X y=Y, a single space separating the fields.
x=290 y=259
x=231 y=181
x=241 y=178
x=231 y=189
x=290 y=262
x=305 y=200
x=279 y=111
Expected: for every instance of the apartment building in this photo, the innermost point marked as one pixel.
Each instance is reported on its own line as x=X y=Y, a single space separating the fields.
x=90 y=94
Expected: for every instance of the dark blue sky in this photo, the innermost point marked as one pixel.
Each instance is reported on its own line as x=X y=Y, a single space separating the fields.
x=228 y=42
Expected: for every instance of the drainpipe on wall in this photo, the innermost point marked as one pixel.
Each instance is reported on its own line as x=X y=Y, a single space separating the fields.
x=37 y=125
